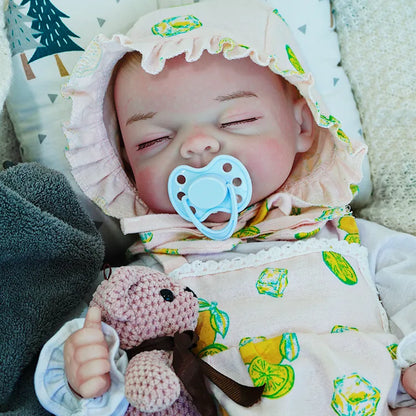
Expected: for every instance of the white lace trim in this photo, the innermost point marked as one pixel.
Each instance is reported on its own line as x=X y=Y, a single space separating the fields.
x=203 y=268
x=360 y=253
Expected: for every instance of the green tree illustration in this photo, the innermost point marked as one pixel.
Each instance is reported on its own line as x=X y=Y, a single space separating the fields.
x=20 y=35
x=54 y=36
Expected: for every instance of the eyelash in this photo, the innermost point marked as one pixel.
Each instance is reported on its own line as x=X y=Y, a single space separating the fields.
x=235 y=123
x=142 y=146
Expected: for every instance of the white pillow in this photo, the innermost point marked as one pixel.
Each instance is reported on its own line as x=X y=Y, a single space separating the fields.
x=37 y=108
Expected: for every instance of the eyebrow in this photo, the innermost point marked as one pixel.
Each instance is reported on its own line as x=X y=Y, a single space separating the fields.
x=234 y=95
x=221 y=98
x=140 y=116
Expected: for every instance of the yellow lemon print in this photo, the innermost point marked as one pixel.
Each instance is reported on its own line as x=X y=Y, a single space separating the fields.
x=392 y=349
x=176 y=25
x=204 y=330
x=250 y=231
x=340 y=267
x=343 y=137
x=301 y=236
x=211 y=322
x=264 y=359
x=146 y=237
x=294 y=60
x=354 y=189
x=354 y=395
x=337 y=329
x=326 y=121
x=329 y=214
x=348 y=224
x=261 y=214
x=171 y=251
x=277 y=379
x=267 y=349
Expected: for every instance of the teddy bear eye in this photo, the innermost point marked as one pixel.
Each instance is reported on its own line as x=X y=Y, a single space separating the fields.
x=167 y=295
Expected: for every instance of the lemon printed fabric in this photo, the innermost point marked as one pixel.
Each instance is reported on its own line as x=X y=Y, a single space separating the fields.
x=302 y=319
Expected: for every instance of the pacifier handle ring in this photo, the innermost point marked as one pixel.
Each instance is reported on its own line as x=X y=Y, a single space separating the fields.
x=224 y=232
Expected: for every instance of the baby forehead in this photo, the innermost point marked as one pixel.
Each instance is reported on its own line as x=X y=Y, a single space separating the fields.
x=210 y=74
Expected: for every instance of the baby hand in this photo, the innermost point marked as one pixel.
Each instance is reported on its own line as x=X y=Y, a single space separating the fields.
x=409 y=380
x=86 y=358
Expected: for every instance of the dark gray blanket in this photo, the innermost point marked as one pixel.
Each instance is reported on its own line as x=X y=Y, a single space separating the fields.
x=50 y=253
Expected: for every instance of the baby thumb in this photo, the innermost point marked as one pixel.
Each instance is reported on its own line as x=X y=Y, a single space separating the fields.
x=93 y=318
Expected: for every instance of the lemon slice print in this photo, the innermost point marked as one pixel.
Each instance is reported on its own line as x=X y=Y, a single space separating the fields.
x=278 y=379
x=348 y=224
x=308 y=234
x=340 y=267
x=176 y=25
x=250 y=231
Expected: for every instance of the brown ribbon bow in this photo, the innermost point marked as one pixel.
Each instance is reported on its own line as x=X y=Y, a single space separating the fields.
x=191 y=369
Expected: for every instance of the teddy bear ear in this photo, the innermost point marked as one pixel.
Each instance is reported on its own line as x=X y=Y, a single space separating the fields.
x=112 y=296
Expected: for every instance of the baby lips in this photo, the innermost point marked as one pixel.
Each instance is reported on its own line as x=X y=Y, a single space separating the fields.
x=224 y=185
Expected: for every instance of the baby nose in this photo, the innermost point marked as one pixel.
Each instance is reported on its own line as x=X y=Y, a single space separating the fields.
x=197 y=142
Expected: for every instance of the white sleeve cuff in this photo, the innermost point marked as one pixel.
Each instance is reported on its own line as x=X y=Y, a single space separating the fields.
x=406 y=351
x=398 y=396
x=52 y=388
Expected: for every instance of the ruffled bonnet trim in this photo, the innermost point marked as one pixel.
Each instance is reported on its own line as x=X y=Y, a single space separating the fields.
x=240 y=28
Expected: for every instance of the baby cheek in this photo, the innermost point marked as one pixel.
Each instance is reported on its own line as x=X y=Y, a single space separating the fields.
x=268 y=158
x=152 y=189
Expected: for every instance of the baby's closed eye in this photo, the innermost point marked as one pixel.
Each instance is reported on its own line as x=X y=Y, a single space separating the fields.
x=239 y=122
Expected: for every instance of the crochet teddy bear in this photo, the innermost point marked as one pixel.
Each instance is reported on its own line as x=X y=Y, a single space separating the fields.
x=143 y=304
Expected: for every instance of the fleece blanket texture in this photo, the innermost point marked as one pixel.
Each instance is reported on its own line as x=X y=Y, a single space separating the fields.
x=50 y=254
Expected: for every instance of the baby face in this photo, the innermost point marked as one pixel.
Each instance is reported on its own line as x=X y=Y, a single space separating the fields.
x=192 y=112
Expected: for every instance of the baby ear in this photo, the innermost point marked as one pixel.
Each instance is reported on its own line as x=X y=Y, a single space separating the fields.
x=306 y=123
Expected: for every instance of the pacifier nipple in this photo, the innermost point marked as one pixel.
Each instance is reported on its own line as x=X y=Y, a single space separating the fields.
x=224 y=185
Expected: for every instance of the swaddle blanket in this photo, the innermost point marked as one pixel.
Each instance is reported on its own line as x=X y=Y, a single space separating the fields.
x=50 y=253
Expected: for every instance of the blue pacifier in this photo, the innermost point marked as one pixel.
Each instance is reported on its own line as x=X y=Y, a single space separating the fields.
x=224 y=185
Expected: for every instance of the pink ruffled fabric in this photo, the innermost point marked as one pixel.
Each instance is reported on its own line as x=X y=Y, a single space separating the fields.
x=237 y=29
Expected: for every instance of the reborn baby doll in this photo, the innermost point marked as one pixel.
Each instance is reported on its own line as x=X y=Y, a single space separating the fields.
x=238 y=184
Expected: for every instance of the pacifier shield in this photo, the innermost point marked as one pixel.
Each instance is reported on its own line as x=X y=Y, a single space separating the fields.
x=207 y=191
x=224 y=185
